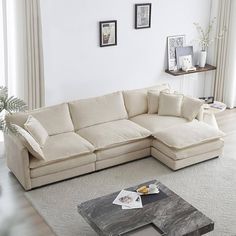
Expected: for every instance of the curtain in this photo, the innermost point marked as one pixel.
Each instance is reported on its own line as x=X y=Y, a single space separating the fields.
x=25 y=55
x=225 y=81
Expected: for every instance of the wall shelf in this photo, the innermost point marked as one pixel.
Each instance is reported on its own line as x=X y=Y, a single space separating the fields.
x=199 y=69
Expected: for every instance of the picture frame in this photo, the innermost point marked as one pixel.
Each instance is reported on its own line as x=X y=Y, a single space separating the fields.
x=208 y=100
x=181 y=52
x=172 y=43
x=108 y=33
x=143 y=15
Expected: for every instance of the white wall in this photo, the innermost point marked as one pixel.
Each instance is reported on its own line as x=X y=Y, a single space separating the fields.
x=75 y=65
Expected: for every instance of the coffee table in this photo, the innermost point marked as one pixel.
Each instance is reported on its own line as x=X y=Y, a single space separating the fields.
x=167 y=213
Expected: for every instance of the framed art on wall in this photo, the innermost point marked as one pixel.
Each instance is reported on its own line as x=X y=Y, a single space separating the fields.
x=143 y=15
x=108 y=33
x=172 y=43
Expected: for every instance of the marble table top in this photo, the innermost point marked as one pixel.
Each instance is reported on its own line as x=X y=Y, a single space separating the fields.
x=172 y=215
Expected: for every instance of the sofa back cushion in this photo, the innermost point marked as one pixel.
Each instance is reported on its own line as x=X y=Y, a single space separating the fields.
x=136 y=102
x=55 y=119
x=93 y=111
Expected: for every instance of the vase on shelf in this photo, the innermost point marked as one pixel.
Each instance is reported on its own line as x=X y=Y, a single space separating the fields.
x=202 y=58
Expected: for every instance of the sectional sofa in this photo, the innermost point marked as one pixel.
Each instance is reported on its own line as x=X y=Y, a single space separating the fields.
x=92 y=134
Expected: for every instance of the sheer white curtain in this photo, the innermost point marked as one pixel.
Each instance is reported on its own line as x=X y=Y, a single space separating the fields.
x=25 y=60
x=225 y=81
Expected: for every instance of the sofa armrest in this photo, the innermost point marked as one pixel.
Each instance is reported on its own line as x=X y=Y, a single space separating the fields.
x=18 y=159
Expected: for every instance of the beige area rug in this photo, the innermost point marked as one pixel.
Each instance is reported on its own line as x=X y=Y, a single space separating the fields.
x=209 y=186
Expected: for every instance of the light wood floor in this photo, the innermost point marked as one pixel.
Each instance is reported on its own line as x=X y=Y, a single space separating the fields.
x=30 y=223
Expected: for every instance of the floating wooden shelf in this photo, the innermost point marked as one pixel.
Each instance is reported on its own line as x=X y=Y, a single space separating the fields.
x=199 y=69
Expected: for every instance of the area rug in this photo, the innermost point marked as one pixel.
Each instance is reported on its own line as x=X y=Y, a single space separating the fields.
x=209 y=186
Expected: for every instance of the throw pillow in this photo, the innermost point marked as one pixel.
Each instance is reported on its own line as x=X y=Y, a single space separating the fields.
x=36 y=130
x=30 y=143
x=170 y=104
x=153 y=100
x=191 y=107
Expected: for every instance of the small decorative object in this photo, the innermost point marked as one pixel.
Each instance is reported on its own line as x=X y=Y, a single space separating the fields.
x=186 y=63
x=205 y=40
x=208 y=100
x=9 y=105
x=108 y=33
x=183 y=51
x=172 y=43
x=143 y=15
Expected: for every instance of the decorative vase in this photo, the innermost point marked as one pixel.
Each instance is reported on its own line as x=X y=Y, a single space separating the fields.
x=202 y=58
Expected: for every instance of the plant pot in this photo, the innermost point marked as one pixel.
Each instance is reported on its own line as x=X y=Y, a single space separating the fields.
x=202 y=58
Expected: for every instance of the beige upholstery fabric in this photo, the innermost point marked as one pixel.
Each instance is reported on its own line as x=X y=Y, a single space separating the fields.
x=92 y=111
x=175 y=165
x=170 y=104
x=63 y=146
x=123 y=158
x=36 y=130
x=55 y=119
x=58 y=176
x=187 y=135
x=61 y=165
x=113 y=133
x=123 y=149
x=136 y=100
x=191 y=107
x=156 y=123
x=177 y=154
x=30 y=143
x=18 y=159
x=153 y=100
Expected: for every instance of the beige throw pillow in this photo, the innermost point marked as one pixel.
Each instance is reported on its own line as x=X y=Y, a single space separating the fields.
x=191 y=107
x=170 y=104
x=36 y=130
x=153 y=100
x=30 y=143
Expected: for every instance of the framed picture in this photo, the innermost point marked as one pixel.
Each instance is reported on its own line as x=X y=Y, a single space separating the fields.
x=181 y=52
x=172 y=43
x=208 y=100
x=108 y=33
x=143 y=15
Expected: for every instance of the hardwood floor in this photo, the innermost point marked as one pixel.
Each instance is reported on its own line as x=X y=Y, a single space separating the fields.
x=16 y=209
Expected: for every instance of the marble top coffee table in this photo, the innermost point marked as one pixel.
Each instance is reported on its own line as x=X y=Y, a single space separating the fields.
x=165 y=213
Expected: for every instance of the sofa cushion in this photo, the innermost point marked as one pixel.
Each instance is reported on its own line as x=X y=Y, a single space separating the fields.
x=30 y=143
x=170 y=104
x=93 y=111
x=63 y=146
x=191 y=107
x=113 y=133
x=55 y=119
x=69 y=164
x=136 y=100
x=123 y=149
x=179 y=154
x=153 y=100
x=155 y=123
x=37 y=131
x=187 y=135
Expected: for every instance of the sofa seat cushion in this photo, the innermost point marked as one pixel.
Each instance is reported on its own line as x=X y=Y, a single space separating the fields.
x=113 y=133
x=123 y=149
x=69 y=164
x=187 y=135
x=155 y=123
x=62 y=146
x=179 y=154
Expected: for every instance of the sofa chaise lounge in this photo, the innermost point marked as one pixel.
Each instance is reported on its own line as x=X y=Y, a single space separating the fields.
x=92 y=134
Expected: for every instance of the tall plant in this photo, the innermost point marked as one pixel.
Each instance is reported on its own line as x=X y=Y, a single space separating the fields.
x=9 y=105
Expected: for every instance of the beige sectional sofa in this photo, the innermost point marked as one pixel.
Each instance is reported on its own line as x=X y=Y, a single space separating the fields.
x=96 y=133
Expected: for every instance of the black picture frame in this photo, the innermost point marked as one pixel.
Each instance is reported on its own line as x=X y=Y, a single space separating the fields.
x=143 y=21
x=108 y=33
x=208 y=100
